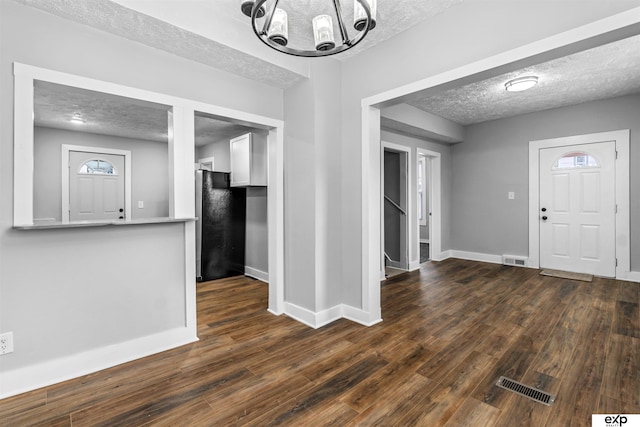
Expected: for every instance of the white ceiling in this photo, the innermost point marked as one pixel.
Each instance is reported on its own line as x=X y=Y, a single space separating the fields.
x=196 y=29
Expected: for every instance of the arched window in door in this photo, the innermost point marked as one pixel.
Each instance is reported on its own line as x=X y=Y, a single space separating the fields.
x=97 y=167
x=576 y=159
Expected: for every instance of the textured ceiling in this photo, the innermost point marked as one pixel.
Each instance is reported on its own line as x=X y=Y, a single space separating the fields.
x=187 y=28
x=55 y=105
x=603 y=72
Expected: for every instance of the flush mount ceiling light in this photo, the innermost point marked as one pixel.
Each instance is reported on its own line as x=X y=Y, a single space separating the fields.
x=77 y=119
x=521 y=83
x=271 y=25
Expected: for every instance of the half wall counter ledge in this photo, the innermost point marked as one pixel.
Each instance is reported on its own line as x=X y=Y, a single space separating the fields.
x=118 y=222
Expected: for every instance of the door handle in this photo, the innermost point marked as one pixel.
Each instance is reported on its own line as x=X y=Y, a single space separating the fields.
x=544 y=218
x=543 y=209
x=121 y=210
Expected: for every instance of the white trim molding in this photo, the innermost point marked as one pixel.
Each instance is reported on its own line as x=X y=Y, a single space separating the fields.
x=57 y=370
x=322 y=318
x=256 y=274
x=622 y=217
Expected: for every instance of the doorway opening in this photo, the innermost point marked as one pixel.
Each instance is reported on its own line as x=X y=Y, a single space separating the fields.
x=96 y=184
x=396 y=202
x=424 y=207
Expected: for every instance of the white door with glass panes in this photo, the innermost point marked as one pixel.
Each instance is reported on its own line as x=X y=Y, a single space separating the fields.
x=96 y=186
x=577 y=208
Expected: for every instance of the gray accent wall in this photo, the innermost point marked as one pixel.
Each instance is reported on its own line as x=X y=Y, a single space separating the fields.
x=493 y=160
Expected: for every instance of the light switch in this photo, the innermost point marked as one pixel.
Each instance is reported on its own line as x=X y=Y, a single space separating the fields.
x=511 y=195
x=140 y=204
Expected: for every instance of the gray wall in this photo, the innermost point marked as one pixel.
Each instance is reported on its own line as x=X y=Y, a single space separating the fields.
x=220 y=151
x=60 y=292
x=493 y=160
x=149 y=170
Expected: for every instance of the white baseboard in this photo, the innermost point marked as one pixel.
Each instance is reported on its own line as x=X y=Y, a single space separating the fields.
x=414 y=265
x=319 y=319
x=359 y=316
x=58 y=370
x=629 y=276
x=476 y=256
x=441 y=256
x=256 y=274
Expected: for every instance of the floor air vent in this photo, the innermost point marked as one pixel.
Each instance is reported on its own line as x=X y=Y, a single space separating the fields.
x=514 y=260
x=526 y=391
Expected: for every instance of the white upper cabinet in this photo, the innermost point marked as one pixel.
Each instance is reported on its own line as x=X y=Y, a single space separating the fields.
x=249 y=160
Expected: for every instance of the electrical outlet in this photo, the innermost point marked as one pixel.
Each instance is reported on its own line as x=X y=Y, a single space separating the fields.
x=6 y=343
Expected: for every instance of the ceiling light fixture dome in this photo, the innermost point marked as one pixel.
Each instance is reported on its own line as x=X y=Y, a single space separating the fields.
x=273 y=28
x=521 y=83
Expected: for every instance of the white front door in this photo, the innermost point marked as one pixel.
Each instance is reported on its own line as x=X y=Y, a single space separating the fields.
x=577 y=208
x=96 y=186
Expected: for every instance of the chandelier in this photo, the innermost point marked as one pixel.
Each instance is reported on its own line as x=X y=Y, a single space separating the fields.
x=271 y=25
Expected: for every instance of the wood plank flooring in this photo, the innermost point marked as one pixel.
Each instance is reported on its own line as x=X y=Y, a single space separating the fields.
x=449 y=331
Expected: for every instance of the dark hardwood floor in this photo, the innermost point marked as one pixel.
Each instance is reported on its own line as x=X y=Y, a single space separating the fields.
x=449 y=331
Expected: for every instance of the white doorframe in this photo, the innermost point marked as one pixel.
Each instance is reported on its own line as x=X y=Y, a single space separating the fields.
x=434 y=183
x=410 y=201
x=97 y=150
x=622 y=227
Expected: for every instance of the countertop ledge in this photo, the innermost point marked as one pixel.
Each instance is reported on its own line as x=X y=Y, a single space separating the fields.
x=80 y=224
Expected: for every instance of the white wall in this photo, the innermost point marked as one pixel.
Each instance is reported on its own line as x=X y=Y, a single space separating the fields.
x=68 y=291
x=149 y=170
x=493 y=160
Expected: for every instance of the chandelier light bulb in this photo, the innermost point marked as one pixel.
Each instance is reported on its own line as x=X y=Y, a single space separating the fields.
x=279 y=29
x=323 y=32
x=360 y=15
x=521 y=83
x=270 y=24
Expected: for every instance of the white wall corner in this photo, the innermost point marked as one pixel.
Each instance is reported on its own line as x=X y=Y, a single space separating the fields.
x=414 y=265
x=322 y=318
x=62 y=369
x=359 y=316
x=256 y=274
x=441 y=256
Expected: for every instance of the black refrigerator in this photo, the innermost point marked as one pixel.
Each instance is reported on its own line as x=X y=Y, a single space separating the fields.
x=220 y=228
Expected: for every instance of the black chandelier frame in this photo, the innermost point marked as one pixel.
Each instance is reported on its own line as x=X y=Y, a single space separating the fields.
x=258 y=11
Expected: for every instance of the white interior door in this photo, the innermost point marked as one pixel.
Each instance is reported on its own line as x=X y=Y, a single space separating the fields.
x=577 y=208
x=96 y=186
